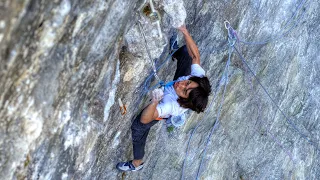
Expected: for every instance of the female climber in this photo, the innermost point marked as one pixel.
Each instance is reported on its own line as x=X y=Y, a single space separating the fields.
x=189 y=90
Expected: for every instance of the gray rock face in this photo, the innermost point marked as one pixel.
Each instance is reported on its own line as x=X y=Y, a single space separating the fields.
x=64 y=65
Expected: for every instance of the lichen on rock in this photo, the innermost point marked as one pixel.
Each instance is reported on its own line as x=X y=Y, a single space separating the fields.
x=64 y=64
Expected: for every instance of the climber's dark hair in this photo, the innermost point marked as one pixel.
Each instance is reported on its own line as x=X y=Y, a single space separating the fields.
x=198 y=97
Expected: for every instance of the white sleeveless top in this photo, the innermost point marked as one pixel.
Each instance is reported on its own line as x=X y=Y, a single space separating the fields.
x=169 y=104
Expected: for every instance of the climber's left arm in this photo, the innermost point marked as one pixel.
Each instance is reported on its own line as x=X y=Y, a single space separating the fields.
x=150 y=112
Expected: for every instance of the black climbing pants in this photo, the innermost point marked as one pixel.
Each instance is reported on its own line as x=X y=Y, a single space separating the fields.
x=184 y=62
x=139 y=130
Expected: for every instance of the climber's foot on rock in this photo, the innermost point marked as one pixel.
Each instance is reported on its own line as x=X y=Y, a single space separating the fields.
x=128 y=166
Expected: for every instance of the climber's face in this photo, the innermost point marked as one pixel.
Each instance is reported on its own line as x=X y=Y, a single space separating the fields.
x=183 y=88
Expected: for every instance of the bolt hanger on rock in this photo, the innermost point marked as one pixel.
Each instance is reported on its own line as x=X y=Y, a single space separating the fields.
x=149 y=11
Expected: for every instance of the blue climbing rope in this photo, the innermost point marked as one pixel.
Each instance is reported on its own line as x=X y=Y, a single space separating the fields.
x=147 y=82
x=146 y=85
x=148 y=52
x=232 y=40
x=218 y=114
x=273 y=101
x=221 y=81
x=274 y=138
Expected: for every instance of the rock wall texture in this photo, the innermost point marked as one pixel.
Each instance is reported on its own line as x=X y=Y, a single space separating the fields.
x=64 y=65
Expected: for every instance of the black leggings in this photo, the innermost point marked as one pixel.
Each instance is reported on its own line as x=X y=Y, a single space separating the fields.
x=139 y=130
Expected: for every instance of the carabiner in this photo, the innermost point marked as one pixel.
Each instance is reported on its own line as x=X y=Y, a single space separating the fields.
x=227 y=24
x=232 y=35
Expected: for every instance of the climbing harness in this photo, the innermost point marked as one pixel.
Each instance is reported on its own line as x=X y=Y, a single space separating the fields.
x=232 y=40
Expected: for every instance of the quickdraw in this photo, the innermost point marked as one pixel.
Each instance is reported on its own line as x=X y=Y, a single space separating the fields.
x=232 y=34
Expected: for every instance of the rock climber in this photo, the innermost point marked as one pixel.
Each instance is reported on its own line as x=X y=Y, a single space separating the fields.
x=189 y=90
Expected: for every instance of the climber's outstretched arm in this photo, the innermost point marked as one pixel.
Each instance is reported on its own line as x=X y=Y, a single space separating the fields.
x=191 y=45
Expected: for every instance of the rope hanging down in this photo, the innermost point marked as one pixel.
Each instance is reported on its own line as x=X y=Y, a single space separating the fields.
x=218 y=114
x=146 y=86
x=161 y=83
x=232 y=40
x=223 y=79
x=268 y=130
x=291 y=123
x=148 y=52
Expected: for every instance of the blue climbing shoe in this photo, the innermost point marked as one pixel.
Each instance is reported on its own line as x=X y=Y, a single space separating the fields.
x=128 y=166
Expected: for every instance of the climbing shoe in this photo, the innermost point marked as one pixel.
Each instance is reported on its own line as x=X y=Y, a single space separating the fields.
x=128 y=166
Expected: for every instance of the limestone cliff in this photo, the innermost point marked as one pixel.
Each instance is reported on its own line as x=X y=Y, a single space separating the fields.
x=64 y=65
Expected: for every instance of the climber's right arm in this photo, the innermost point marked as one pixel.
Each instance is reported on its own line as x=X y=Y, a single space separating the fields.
x=191 y=45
